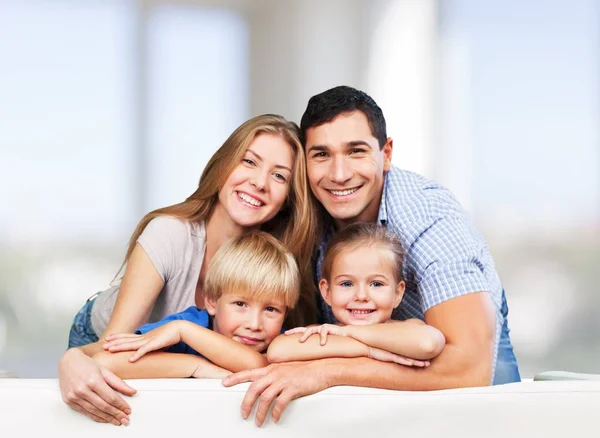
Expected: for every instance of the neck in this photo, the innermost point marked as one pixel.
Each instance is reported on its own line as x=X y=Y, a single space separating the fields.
x=219 y=229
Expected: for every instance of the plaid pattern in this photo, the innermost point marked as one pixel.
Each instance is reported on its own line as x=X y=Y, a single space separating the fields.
x=446 y=256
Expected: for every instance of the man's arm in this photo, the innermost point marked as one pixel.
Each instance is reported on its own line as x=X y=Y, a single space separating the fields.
x=467 y=322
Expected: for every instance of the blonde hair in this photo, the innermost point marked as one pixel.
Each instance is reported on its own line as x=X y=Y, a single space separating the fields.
x=297 y=224
x=364 y=234
x=255 y=265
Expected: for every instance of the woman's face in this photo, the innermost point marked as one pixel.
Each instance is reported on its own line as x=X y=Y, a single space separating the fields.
x=257 y=188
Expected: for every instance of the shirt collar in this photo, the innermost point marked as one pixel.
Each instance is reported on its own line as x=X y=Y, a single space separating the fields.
x=382 y=217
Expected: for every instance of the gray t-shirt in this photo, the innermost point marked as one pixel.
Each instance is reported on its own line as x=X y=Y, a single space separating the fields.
x=176 y=248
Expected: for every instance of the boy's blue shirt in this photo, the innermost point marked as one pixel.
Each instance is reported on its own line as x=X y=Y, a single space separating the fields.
x=192 y=314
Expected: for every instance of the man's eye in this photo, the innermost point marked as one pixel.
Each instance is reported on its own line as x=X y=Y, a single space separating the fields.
x=319 y=155
x=357 y=151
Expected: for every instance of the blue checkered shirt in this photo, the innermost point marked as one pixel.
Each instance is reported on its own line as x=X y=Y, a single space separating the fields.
x=446 y=256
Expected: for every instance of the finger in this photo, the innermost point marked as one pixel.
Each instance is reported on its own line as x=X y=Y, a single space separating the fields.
x=404 y=361
x=324 y=337
x=284 y=399
x=77 y=407
x=295 y=330
x=254 y=391
x=243 y=376
x=114 y=336
x=265 y=400
x=118 y=384
x=126 y=346
x=99 y=406
x=307 y=334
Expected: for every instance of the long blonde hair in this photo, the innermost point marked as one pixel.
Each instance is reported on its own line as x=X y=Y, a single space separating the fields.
x=297 y=224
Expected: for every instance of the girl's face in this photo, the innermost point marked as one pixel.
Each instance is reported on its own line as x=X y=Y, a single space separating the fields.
x=362 y=289
x=257 y=188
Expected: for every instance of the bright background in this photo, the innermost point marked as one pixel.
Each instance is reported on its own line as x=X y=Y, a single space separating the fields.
x=111 y=108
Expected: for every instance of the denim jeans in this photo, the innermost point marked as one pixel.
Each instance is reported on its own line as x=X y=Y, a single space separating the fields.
x=507 y=369
x=82 y=332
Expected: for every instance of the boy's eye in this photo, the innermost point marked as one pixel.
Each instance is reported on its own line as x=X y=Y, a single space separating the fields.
x=239 y=303
x=272 y=309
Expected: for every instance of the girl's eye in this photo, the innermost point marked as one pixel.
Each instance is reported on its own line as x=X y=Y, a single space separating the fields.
x=346 y=284
x=377 y=284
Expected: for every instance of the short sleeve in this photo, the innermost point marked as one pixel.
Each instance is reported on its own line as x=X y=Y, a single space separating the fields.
x=164 y=240
x=447 y=261
x=192 y=314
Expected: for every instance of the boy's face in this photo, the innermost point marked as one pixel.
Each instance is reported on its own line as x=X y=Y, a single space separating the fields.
x=362 y=288
x=345 y=167
x=251 y=322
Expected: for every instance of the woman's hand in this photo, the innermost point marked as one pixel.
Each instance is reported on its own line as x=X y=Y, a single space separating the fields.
x=91 y=389
x=322 y=330
x=157 y=339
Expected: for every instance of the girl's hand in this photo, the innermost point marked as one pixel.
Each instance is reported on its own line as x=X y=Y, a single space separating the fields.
x=157 y=339
x=386 y=356
x=322 y=330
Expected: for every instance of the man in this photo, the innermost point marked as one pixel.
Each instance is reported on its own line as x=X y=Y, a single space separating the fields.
x=451 y=281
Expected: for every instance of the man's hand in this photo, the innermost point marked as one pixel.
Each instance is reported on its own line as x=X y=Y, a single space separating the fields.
x=322 y=330
x=278 y=384
x=157 y=339
x=91 y=390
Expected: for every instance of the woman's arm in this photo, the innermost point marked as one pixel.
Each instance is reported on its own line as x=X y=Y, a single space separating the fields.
x=412 y=338
x=158 y=365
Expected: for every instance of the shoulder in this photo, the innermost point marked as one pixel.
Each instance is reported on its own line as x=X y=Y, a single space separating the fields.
x=415 y=202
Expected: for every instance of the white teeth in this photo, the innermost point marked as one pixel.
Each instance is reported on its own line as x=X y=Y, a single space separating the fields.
x=361 y=312
x=343 y=192
x=250 y=199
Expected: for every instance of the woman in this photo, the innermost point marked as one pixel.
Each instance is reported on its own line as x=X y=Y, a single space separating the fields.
x=257 y=179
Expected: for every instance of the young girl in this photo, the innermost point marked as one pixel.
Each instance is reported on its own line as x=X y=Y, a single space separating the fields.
x=256 y=179
x=363 y=284
x=251 y=284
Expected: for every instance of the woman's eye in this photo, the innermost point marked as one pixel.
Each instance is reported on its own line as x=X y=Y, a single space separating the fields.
x=280 y=177
x=249 y=161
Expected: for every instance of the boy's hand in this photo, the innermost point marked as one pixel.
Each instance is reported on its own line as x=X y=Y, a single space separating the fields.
x=322 y=330
x=159 y=338
x=386 y=356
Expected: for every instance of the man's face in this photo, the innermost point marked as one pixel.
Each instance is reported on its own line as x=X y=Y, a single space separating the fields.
x=346 y=166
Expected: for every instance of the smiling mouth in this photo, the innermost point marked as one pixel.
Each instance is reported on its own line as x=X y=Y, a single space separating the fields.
x=247 y=199
x=249 y=341
x=361 y=312
x=345 y=192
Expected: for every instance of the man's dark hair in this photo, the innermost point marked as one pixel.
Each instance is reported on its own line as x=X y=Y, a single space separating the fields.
x=324 y=107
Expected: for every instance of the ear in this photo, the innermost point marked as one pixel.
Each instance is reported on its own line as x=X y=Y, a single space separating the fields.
x=387 y=154
x=400 y=288
x=325 y=291
x=211 y=306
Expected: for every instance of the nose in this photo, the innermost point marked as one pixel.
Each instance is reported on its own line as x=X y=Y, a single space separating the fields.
x=253 y=322
x=360 y=293
x=259 y=180
x=339 y=170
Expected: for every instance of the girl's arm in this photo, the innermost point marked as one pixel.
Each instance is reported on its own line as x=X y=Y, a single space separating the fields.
x=158 y=365
x=412 y=338
x=287 y=348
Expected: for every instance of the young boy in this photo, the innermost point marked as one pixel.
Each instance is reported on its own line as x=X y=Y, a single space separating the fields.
x=363 y=283
x=250 y=284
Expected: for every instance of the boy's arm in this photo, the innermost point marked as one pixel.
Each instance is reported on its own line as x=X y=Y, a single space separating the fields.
x=158 y=365
x=287 y=348
x=411 y=338
x=219 y=349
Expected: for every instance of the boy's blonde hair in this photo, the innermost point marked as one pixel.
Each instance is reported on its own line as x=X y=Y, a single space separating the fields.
x=256 y=265
x=364 y=234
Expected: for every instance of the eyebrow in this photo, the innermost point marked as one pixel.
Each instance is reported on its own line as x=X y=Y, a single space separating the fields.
x=278 y=166
x=348 y=145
